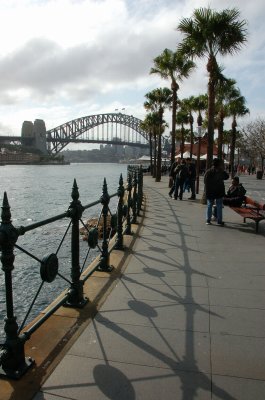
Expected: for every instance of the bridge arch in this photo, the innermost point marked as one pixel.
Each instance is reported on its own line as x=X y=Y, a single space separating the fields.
x=82 y=130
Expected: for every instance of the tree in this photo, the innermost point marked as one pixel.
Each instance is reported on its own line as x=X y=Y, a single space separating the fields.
x=174 y=66
x=237 y=108
x=207 y=34
x=157 y=101
x=189 y=106
x=200 y=104
x=225 y=91
x=182 y=118
x=151 y=124
x=253 y=140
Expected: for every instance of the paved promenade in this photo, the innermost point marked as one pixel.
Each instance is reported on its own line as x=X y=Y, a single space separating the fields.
x=186 y=320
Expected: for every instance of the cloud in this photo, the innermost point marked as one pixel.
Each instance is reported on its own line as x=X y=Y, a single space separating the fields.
x=66 y=57
x=121 y=54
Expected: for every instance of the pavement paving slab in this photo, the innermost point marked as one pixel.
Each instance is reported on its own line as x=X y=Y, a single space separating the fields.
x=184 y=321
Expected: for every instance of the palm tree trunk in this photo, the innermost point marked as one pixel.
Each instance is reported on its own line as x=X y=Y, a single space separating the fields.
x=155 y=157
x=191 y=136
x=159 y=153
x=211 y=107
x=173 y=132
x=182 y=142
x=151 y=152
x=232 y=147
x=220 y=138
x=158 y=169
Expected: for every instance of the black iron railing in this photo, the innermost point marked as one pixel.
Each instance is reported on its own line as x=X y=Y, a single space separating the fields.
x=13 y=362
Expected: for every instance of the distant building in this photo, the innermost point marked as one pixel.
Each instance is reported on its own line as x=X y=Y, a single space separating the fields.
x=203 y=148
x=18 y=158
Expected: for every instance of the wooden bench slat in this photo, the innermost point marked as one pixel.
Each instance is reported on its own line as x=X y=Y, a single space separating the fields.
x=250 y=201
x=252 y=210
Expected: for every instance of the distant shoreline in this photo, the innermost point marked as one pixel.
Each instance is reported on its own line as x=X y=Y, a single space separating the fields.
x=34 y=163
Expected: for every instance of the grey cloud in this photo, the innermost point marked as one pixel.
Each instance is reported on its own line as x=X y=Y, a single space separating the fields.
x=43 y=67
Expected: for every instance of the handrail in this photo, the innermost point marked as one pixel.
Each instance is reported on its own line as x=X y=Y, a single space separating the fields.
x=13 y=362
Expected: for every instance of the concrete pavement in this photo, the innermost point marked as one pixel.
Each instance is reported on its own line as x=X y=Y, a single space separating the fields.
x=186 y=319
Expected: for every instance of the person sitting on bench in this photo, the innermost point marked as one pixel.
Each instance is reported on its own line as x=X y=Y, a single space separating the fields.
x=234 y=197
x=235 y=194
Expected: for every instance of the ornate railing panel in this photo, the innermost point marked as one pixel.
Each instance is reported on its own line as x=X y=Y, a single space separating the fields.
x=13 y=362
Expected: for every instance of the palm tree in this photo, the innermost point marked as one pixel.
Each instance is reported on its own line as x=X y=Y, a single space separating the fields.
x=207 y=34
x=237 y=107
x=150 y=125
x=182 y=118
x=157 y=101
x=189 y=106
x=174 y=66
x=200 y=104
x=225 y=91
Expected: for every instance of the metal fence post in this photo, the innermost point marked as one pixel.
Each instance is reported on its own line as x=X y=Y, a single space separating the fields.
x=12 y=355
x=119 y=237
x=104 y=258
x=140 y=190
x=128 y=230
x=76 y=297
x=134 y=200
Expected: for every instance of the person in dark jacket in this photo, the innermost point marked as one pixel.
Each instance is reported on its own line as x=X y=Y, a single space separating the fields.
x=172 y=176
x=191 y=177
x=181 y=172
x=215 y=190
x=235 y=194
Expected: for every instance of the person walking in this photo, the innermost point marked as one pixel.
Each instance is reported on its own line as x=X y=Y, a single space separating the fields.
x=172 y=176
x=181 y=176
x=191 y=177
x=215 y=190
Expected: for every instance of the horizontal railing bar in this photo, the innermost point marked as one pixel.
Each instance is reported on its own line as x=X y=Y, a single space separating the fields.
x=51 y=311
x=92 y=204
x=98 y=201
x=84 y=278
x=23 y=229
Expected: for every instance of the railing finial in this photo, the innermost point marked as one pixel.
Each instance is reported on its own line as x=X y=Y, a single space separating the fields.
x=6 y=214
x=75 y=192
x=104 y=258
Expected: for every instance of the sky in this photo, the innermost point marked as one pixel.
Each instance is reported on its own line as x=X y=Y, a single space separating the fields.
x=65 y=59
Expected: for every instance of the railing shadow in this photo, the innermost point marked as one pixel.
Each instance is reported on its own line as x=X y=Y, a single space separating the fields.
x=184 y=367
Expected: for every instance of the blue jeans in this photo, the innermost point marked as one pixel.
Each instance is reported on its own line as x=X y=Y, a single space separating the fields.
x=219 y=209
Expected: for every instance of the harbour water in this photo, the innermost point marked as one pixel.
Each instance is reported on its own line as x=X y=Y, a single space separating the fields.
x=36 y=193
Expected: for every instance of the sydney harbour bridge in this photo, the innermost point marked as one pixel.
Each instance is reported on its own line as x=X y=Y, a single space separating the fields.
x=110 y=128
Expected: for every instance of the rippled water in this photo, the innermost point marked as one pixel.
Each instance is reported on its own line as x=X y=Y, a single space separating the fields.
x=36 y=193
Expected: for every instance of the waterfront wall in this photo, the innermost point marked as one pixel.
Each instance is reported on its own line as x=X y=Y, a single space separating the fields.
x=19 y=158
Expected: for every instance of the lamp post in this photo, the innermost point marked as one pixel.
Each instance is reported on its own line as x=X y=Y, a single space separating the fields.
x=199 y=135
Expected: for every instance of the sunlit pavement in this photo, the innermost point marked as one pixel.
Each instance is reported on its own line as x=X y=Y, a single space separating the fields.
x=187 y=318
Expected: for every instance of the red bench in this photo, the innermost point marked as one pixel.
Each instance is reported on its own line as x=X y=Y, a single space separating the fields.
x=251 y=209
